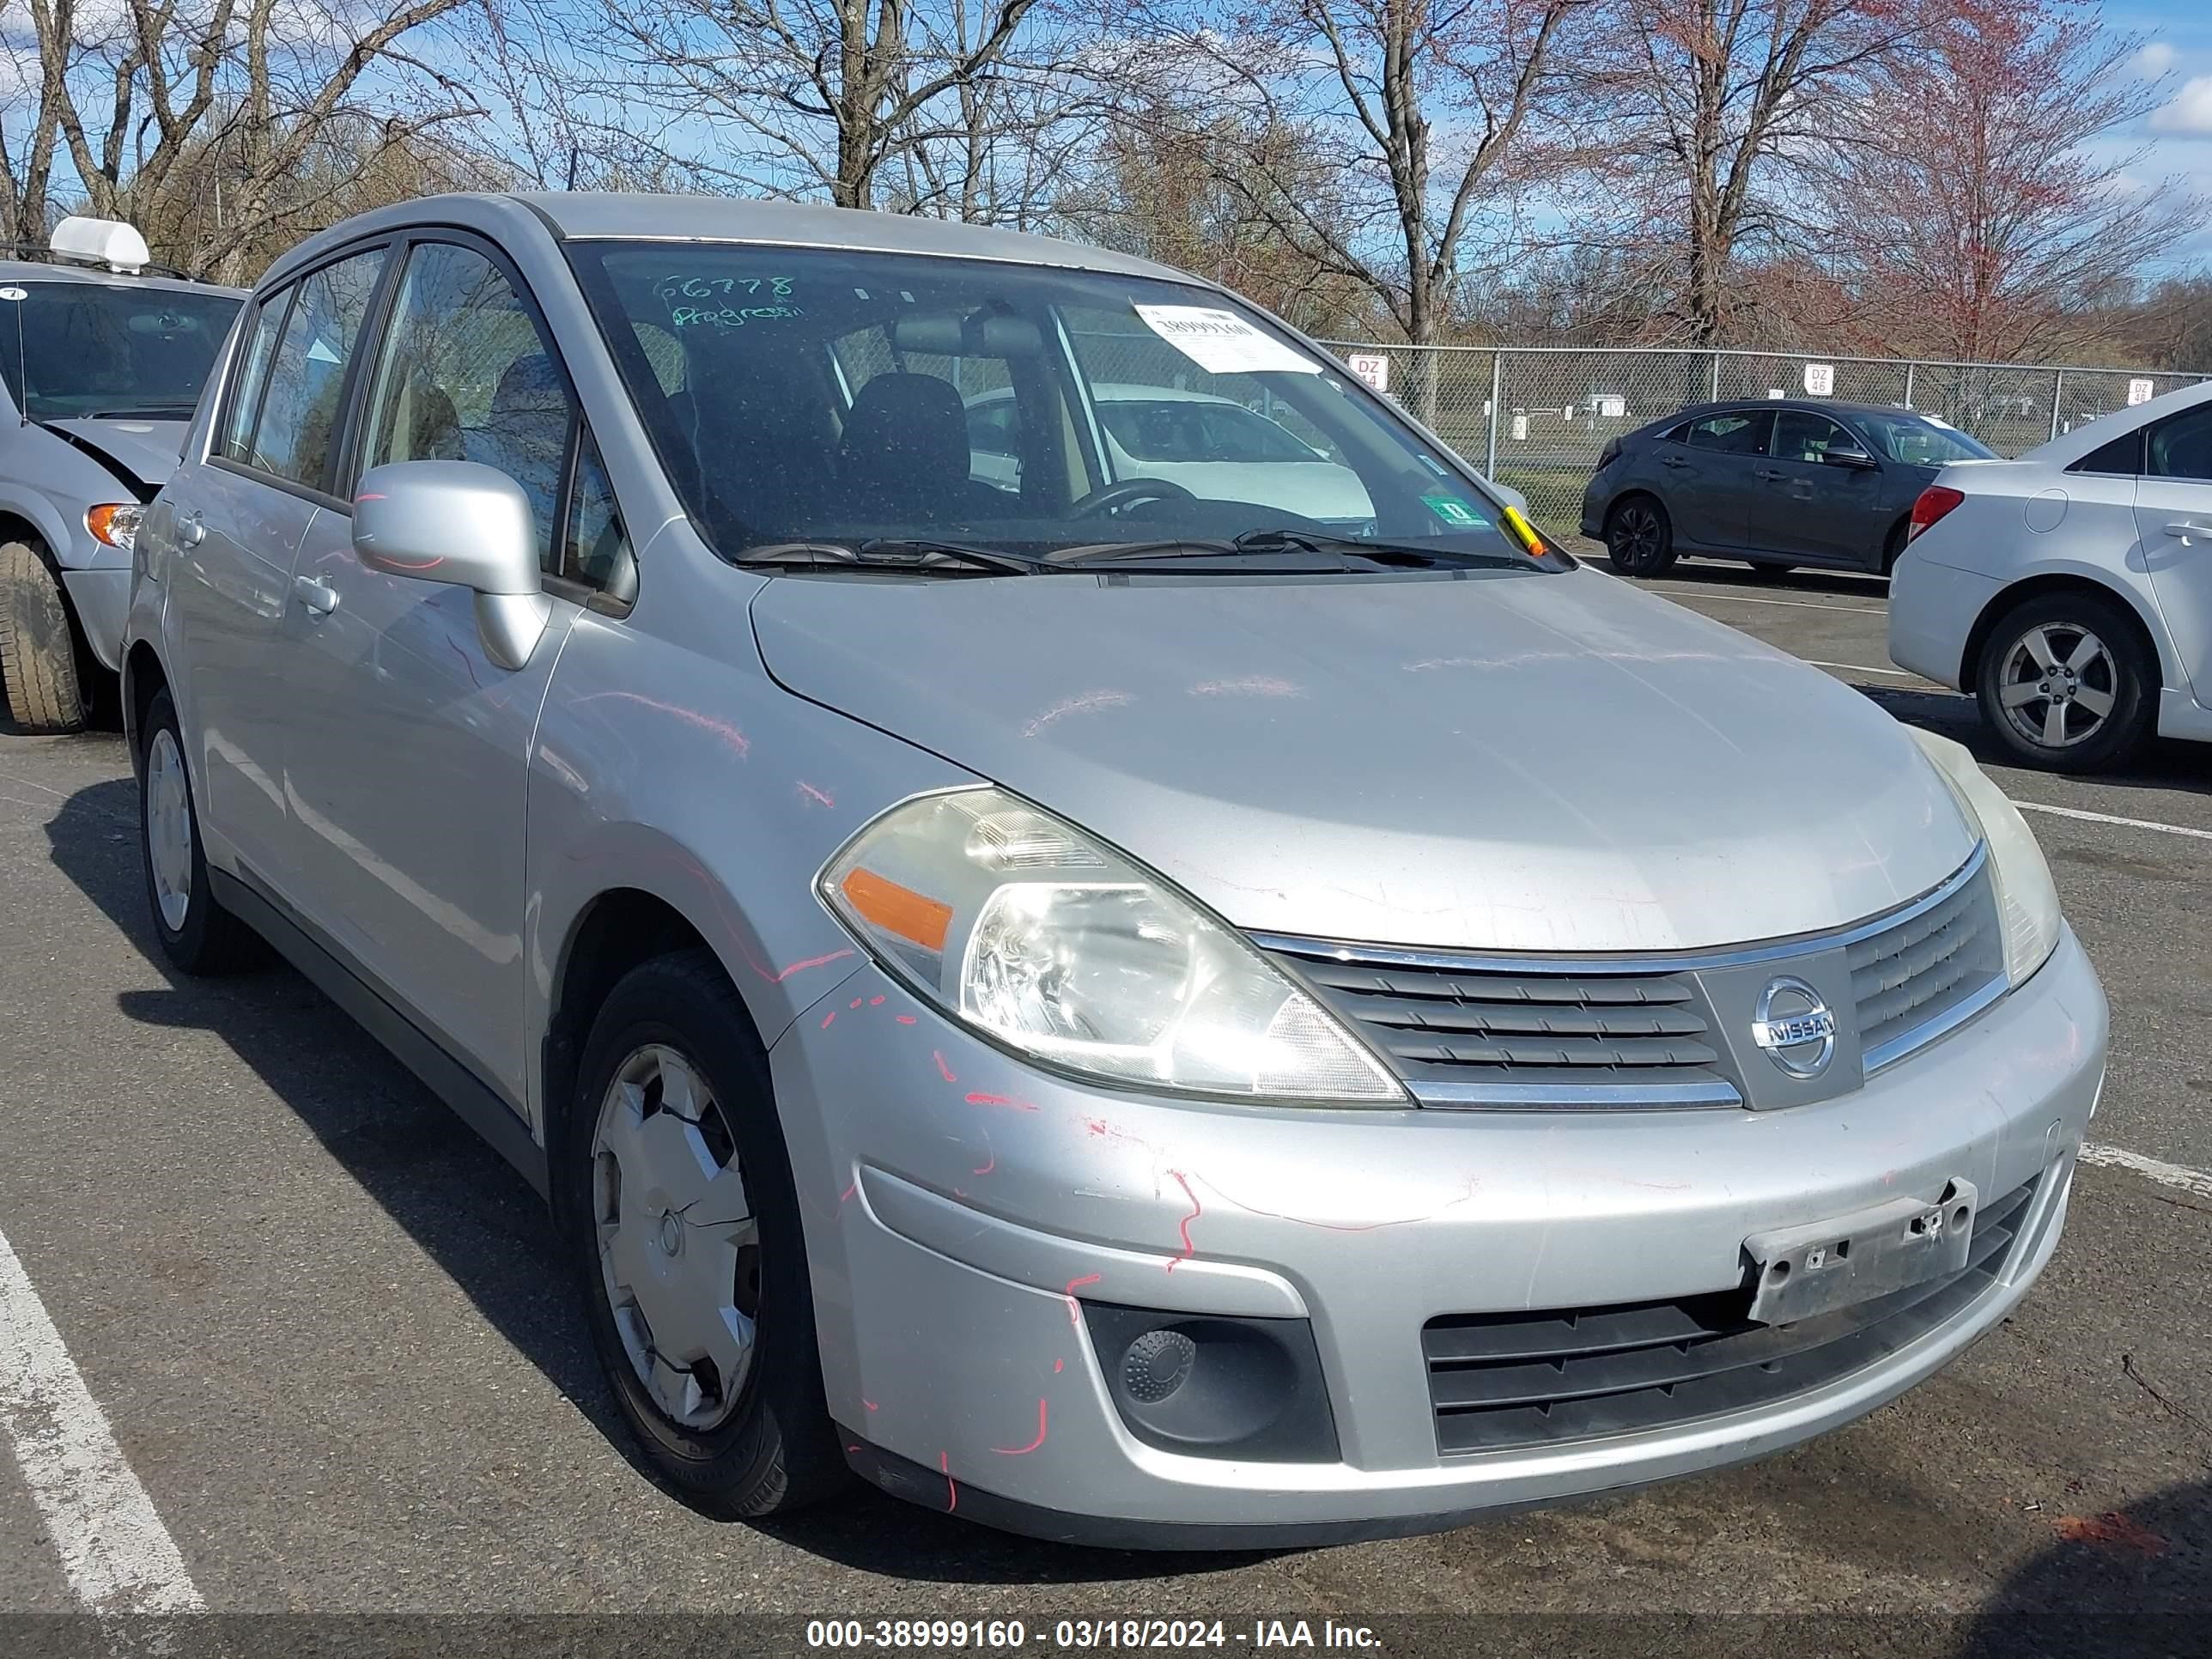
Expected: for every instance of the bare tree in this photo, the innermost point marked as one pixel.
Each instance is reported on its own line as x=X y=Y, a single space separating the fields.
x=996 y=147
x=1716 y=107
x=1973 y=206
x=793 y=97
x=152 y=105
x=1434 y=111
x=1181 y=187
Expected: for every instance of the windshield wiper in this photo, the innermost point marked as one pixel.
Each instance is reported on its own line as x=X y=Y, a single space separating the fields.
x=920 y=556
x=1408 y=554
x=1389 y=555
x=149 y=412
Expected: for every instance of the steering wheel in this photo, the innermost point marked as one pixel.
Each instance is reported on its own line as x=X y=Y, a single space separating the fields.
x=1113 y=497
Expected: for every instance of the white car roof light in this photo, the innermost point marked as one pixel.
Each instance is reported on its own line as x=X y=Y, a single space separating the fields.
x=107 y=242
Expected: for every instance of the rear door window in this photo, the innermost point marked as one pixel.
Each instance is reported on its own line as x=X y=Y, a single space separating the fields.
x=295 y=437
x=1736 y=432
x=253 y=378
x=2181 y=445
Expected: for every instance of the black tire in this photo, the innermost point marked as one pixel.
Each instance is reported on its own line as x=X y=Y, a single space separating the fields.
x=1639 y=537
x=778 y=1450
x=2125 y=671
x=1894 y=547
x=37 y=648
x=208 y=941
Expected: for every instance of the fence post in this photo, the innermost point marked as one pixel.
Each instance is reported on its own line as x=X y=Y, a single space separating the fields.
x=1497 y=392
x=1909 y=367
x=1713 y=379
x=2057 y=390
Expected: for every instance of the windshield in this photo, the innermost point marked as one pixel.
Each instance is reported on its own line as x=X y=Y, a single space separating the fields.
x=1919 y=440
x=807 y=395
x=90 y=348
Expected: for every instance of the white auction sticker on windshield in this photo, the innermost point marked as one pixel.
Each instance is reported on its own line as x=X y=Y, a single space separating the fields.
x=1221 y=343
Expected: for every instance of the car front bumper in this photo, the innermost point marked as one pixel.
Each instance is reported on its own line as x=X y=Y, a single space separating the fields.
x=965 y=1211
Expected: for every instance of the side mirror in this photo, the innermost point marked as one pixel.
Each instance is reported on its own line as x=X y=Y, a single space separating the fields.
x=464 y=524
x=1858 y=457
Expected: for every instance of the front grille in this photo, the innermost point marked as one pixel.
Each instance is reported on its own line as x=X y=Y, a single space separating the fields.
x=1473 y=1035
x=1912 y=978
x=1638 y=1031
x=1502 y=1381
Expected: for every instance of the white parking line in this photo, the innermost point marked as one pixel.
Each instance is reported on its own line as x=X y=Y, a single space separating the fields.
x=2180 y=1175
x=1863 y=668
x=1745 y=599
x=117 y=1554
x=2108 y=817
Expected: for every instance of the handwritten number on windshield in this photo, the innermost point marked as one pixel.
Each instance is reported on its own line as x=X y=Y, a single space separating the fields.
x=669 y=289
x=725 y=301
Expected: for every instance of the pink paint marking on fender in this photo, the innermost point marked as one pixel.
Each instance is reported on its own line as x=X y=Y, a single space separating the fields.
x=1058 y=1366
x=951 y=1492
x=905 y=1019
x=980 y=1099
x=943 y=1070
x=875 y=1002
x=988 y=1167
x=811 y=794
x=870 y=1404
x=783 y=973
x=829 y=1019
x=1075 y=1307
x=1184 y=1226
x=1023 y=1451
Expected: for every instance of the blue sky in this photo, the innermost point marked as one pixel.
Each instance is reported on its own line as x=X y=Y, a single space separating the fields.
x=2177 y=36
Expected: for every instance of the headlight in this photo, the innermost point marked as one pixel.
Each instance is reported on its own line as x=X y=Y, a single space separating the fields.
x=116 y=524
x=1029 y=931
x=2028 y=901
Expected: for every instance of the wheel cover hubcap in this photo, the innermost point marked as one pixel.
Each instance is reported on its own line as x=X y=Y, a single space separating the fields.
x=2058 y=684
x=678 y=1246
x=169 y=831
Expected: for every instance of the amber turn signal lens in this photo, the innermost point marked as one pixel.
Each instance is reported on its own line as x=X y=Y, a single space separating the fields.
x=895 y=909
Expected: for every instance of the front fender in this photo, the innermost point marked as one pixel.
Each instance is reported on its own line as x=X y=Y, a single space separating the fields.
x=699 y=780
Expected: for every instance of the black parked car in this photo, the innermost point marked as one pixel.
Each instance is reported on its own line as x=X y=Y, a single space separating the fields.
x=1777 y=482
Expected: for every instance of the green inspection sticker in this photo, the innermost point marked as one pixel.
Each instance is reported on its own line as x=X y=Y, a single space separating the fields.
x=1451 y=510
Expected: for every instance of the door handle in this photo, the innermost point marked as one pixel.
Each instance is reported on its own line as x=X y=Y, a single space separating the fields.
x=1771 y=474
x=2186 y=528
x=318 y=598
x=190 y=531
x=1672 y=460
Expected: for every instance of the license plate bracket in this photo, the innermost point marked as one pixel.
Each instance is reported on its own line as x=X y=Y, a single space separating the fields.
x=1822 y=1266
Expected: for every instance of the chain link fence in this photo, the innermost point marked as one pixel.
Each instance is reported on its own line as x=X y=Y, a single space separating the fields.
x=1536 y=417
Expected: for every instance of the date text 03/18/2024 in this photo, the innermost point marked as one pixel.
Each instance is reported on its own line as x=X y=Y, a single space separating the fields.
x=992 y=1635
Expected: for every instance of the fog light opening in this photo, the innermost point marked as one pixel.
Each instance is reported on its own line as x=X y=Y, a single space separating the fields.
x=1213 y=1385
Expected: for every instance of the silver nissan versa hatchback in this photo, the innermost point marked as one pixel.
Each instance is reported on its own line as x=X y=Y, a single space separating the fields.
x=1099 y=1003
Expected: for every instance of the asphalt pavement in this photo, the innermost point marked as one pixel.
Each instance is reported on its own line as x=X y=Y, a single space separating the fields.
x=320 y=1329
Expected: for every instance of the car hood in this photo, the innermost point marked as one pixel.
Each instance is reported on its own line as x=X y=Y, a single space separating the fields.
x=1508 y=761
x=143 y=452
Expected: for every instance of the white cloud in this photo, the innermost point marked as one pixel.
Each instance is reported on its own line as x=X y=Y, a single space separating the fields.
x=2154 y=60
x=2190 y=111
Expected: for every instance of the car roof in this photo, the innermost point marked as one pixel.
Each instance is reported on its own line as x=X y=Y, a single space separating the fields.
x=2092 y=435
x=1816 y=406
x=589 y=216
x=39 y=271
x=601 y=213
